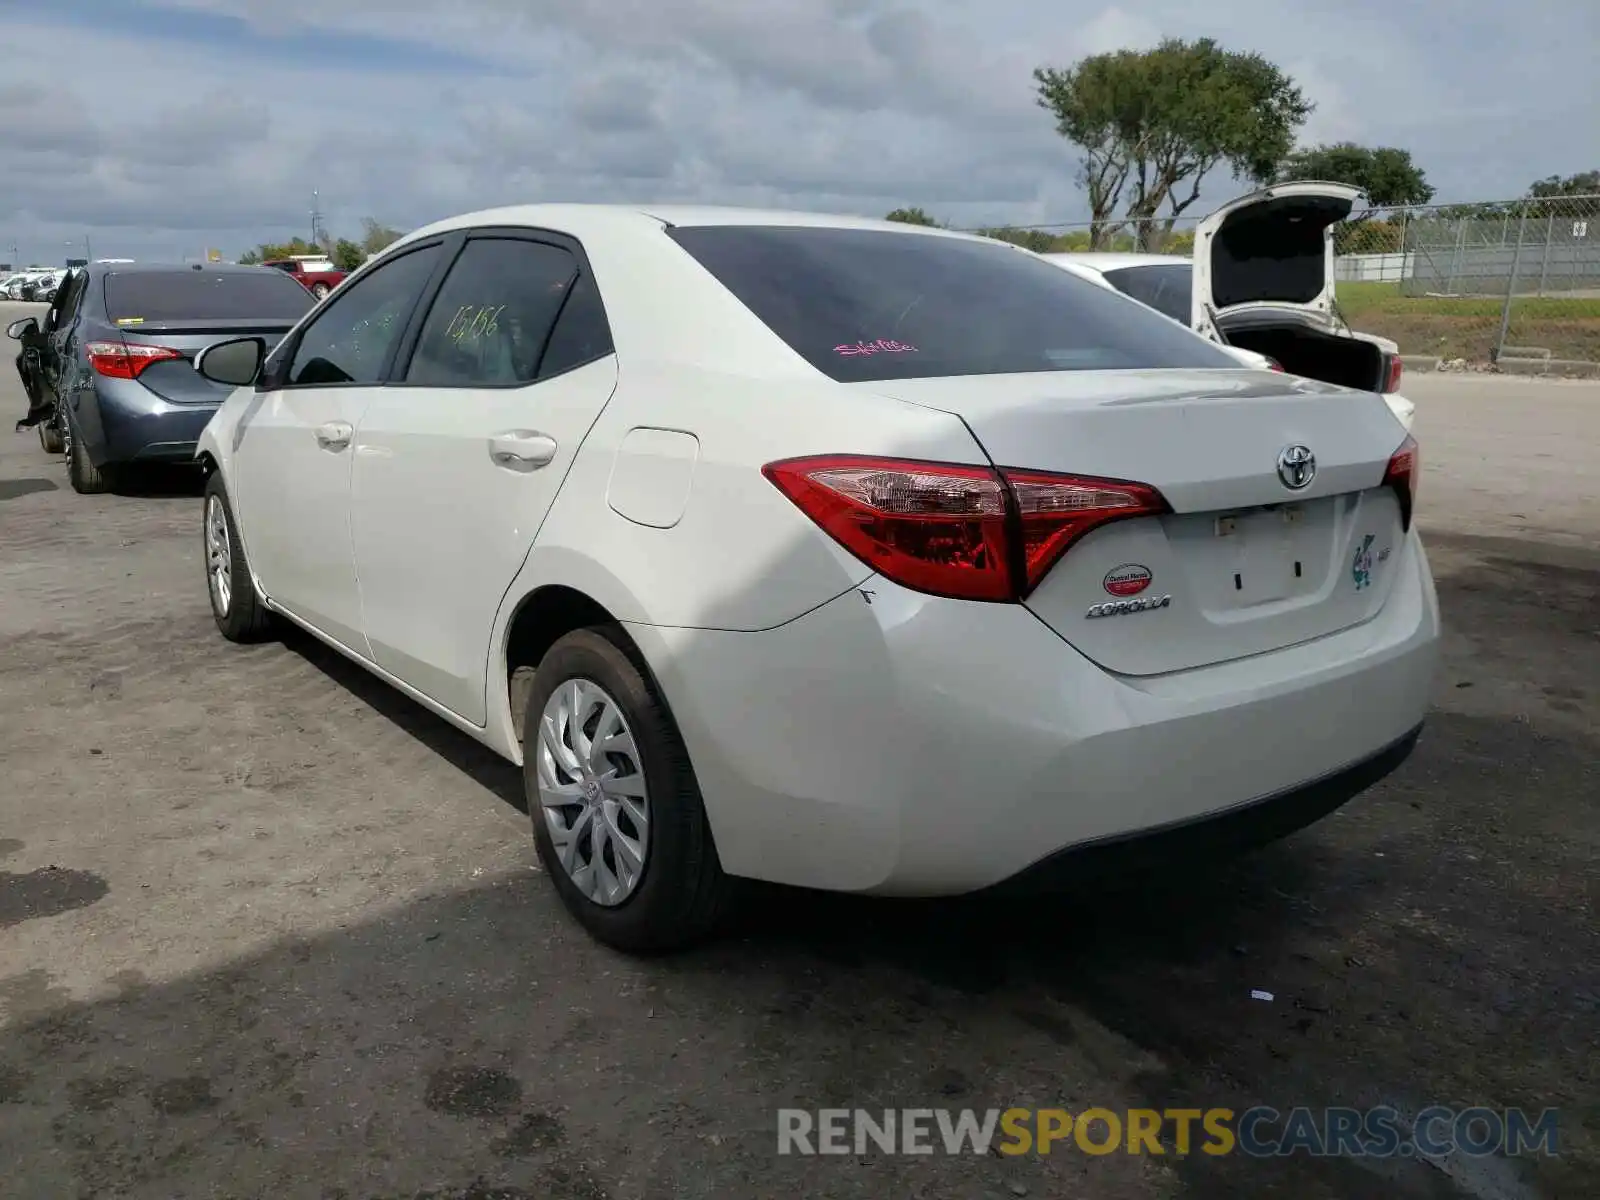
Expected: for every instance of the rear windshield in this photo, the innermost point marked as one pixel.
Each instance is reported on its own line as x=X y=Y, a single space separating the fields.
x=189 y=295
x=864 y=304
x=1165 y=287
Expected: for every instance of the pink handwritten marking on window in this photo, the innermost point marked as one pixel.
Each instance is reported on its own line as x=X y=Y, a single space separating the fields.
x=881 y=346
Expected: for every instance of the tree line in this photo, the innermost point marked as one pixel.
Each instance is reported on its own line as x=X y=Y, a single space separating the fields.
x=1150 y=125
x=346 y=254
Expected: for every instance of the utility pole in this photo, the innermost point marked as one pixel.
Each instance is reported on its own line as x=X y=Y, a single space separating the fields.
x=316 y=218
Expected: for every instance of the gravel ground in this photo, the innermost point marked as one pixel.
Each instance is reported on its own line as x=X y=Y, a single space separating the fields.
x=269 y=930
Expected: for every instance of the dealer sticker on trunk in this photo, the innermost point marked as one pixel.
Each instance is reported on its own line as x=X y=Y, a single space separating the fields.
x=1127 y=581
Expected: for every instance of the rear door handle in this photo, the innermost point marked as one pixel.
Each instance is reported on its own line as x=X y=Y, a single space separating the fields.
x=335 y=435
x=522 y=449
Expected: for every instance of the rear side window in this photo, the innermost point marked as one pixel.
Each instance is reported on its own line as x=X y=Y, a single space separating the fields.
x=188 y=295
x=864 y=305
x=1165 y=287
x=489 y=324
x=582 y=333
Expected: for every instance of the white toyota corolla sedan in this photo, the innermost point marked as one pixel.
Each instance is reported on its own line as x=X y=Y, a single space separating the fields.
x=826 y=552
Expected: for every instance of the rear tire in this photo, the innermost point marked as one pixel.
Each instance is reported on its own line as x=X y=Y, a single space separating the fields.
x=320 y=291
x=236 y=606
x=679 y=895
x=86 y=478
x=50 y=436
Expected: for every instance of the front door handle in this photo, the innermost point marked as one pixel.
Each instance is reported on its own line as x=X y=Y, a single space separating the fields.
x=522 y=450
x=335 y=435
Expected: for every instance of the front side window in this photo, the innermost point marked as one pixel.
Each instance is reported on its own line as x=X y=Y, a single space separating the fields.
x=1166 y=287
x=489 y=324
x=866 y=305
x=351 y=339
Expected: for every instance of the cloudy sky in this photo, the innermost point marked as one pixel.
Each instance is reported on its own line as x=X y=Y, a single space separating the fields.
x=162 y=128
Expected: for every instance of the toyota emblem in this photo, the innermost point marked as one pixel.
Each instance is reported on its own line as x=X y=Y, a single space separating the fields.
x=1297 y=467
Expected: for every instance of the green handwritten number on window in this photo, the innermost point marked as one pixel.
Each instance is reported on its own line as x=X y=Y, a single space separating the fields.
x=472 y=322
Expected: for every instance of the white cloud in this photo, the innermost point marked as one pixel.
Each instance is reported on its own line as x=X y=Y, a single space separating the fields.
x=175 y=130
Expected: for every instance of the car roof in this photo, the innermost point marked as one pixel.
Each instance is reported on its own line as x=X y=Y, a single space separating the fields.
x=1107 y=260
x=584 y=220
x=164 y=268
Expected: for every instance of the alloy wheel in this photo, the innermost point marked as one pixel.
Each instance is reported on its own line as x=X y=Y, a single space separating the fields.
x=219 y=555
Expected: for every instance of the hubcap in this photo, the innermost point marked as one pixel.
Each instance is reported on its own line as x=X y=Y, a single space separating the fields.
x=219 y=555
x=592 y=791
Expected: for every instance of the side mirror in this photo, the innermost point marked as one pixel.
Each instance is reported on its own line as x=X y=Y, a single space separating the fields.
x=234 y=363
x=18 y=330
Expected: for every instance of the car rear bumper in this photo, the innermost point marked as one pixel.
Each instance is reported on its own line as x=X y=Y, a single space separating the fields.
x=916 y=746
x=1212 y=835
x=136 y=425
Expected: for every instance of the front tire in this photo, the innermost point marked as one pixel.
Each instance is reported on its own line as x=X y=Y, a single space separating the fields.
x=617 y=815
x=240 y=613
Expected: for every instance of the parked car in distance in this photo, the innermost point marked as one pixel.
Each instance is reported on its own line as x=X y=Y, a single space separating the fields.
x=825 y=551
x=116 y=354
x=40 y=288
x=1286 y=316
x=316 y=273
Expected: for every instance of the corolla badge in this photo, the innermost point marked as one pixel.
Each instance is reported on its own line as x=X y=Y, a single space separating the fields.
x=1122 y=608
x=1297 y=467
x=1361 y=564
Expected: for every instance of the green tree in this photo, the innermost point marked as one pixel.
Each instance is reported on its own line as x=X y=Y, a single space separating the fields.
x=1040 y=241
x=348 y=255
x=272 y=250
x=1585 y=183
x=1152 y=124
x=1387 y=175
x=376 y=236
x=1576 y=196
x=912 y=216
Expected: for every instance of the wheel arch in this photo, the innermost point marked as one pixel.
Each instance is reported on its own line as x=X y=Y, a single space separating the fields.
x=557 y=591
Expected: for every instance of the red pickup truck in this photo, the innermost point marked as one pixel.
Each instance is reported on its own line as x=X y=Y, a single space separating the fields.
x=316 y=272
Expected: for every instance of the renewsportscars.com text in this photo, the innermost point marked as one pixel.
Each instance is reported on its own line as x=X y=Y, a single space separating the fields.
x=1259 y=1132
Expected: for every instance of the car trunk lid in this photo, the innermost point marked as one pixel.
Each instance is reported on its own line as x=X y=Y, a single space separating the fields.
x=174 y=379
x=1243 y=563
x=1273 y=247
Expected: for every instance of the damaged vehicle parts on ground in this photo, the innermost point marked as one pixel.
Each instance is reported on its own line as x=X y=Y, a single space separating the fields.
x=780 y=547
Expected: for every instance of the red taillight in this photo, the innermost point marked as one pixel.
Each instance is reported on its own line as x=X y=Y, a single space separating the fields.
x=972 y=533
x=1396 y=368
x=1405 y=465
x=1274 y=365
x=122 y=360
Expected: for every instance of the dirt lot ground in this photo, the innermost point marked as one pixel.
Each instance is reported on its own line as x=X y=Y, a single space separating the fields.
x=269 y=930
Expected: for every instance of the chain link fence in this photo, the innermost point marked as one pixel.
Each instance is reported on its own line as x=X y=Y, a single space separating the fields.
x=1505 y=285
